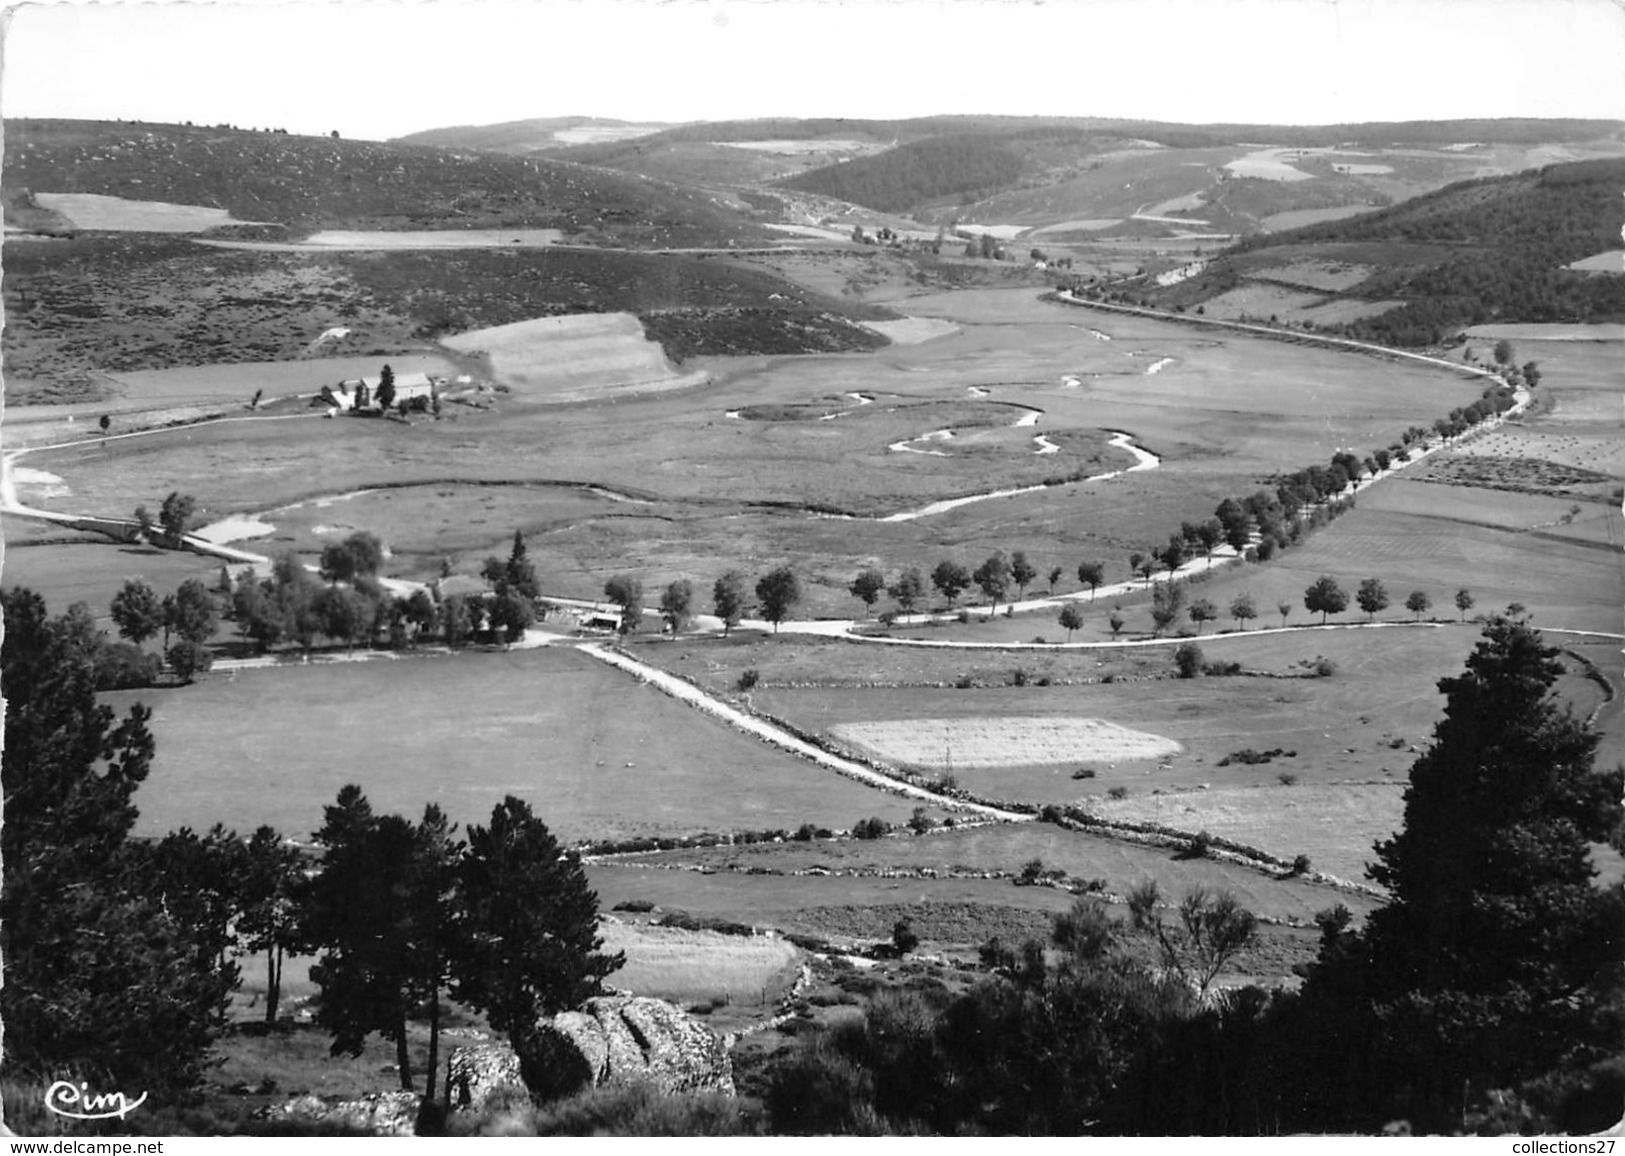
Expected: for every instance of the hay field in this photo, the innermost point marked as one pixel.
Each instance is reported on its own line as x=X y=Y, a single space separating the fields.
x=793 y=901
x=688 y=967
x=1357 y=724
x=1006 y=741
x=1335 y=824
x=596 y=754
x=573 y=357
x=121 y=215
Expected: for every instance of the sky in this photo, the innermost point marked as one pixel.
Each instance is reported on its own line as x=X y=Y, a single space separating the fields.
x=379 y=70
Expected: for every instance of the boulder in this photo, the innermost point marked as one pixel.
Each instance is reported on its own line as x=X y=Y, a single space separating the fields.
x=635 y=1039
x=610 y=1041
x=378 y=1114
x=474 y=1073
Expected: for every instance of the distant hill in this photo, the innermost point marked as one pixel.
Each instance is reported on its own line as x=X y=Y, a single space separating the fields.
x=540 y=134
x=1474 y=252
x=307 y=183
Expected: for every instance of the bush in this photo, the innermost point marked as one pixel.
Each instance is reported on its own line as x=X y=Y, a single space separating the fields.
x=1031 y=872
x=1222 y=669
x=1188 y=660
x=963 y=682
x=1324 y=667
x=903 y=937
x=1118 y=793
x=1287 y=779
x=1300 y=865
x=749 y=678
x=920 y=822
x=873 y=827
x=1018 y=677
x=805 y=833
x=1084 y=773
x=120 y=666
x=1200 y=846
x=636 y=906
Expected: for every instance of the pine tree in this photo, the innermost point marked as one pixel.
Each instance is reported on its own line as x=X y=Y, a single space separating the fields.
x=1498 y=958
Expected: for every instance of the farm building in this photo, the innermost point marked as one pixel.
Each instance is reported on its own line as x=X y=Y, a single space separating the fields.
x=360 y=395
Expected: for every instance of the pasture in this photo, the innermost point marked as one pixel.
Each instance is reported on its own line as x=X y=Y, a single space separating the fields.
x=123 y=215
x=746 y=974
x=572 y=357
x=596 y=754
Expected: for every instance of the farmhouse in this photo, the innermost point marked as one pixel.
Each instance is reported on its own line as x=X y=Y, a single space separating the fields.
x=360 y=395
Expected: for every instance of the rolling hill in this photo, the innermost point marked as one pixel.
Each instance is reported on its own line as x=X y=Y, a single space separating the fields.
x=1486 y=250
x=308 y=183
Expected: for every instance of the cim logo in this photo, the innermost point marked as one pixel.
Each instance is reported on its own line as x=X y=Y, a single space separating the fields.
x=80 y=1103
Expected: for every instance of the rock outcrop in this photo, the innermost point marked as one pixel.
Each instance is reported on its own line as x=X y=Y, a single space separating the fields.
x=610 y=1041
x=380 y=1114
x=474 y=1073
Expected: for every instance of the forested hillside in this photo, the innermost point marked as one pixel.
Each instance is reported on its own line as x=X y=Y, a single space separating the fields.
x=915 y=174
x=1468 y=254
x=307 y=183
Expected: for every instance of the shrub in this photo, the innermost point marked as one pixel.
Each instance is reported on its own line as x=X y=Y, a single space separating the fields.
x=1188 y=660
x=636 y=906
x=920 y=822
x=1018 y=677
x=1084 y=773
x=805 y=833
x=749 y=678
x=873 y=827
x=903 y=937
x=1222 y=669
x=964 y=617
x=963 y=682
x=1324 y=667
x=1200 y=846
x=1287 y=778
x=1031 y=872
x=1300 y=865
x=1118 y=793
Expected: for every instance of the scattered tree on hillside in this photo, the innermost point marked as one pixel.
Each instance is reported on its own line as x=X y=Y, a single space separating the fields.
x=1022 y=572
x=993 y=576
x=626 y=590
x=526 y=940
x=379 y=912
x=174 y=516
x=778 y=591
x=1464 y=602
x=189 y=659
x=191 y=612
x=100 y=978
x=676 y=603
x=1283 y=609
x=1503 y=352
x=1418 y=603
x=1243 y=610
x=1372 y=596
x=1135 y=561
x=728 y=599
x=908 y=589
x=1188 y=659
x=1071 y=618
x=386 y=389
x=1212 y=930
x=951 y=578
x=1167 y=600
x=1055 y=577
x=1202 y=611
x=1326 y=597
x=512 y=614
x=1173 y=555
x=268 y=919
x=360 y=555
x=867 y=588
x=137 y=611
x=1115 y=620
x=1091 y=574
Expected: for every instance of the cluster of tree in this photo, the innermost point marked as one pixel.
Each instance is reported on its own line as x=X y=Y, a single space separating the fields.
x=777 y=594
x=1486 y=994
x=174 y=517
x=120 y=952
x=190 y=614
x=916 y=173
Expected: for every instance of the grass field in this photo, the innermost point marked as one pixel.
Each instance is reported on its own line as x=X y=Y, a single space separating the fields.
x=596 y=754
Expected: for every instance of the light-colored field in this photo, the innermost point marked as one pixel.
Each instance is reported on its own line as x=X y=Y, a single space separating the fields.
x=1612 y=261
x=573 y=357
x=687 y=967
x=120 y=215
x=1603 y=455
x=798 y=147
x=913 y=330
x=1001 y=232
x=599 y=134
x=1335 y=824
x=1085 y=225
x=1260 y=300
x=432 y=238
x=1325 y=275
x=596 y=754
x=1552 y=332
x=333 y=240
x=1003 y=741
x=1297 y=218
x=1267 y=165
